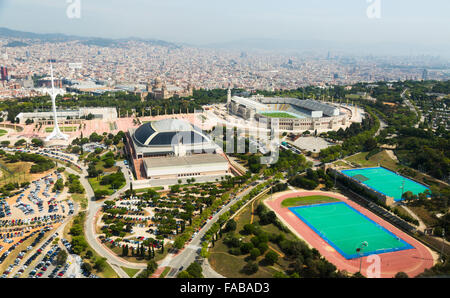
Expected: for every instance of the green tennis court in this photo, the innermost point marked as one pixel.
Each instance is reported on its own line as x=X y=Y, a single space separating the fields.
x=386 y=182
x=345 y=229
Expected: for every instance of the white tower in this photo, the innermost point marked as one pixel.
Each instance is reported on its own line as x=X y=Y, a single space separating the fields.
x=56 y=134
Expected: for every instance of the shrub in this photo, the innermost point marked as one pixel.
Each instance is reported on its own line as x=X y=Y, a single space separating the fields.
x=254 y=253
x=230 y=226
x=246 y=247
x=195 y=270
x=271 y=257
x=250 y=268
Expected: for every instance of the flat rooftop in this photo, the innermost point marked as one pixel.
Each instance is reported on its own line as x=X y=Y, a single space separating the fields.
x=183 y=161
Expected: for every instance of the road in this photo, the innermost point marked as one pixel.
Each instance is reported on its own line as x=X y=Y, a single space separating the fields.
x=187 y=256
x=411 y=107
x=383 y=125
x=91 y=237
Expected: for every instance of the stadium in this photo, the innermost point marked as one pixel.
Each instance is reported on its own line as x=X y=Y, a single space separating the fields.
x=291 y=114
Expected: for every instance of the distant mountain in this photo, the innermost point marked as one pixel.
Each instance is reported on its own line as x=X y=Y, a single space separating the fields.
x=90 y=41
x=323 y=46
x=273 y=44
x=9 y=33
x=14 y=44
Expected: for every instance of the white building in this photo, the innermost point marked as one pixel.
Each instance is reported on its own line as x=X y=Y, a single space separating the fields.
x=107 y=114
x=191 y=166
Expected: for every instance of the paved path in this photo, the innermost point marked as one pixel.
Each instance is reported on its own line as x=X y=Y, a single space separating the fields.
x=93 y=209
x=421 y=226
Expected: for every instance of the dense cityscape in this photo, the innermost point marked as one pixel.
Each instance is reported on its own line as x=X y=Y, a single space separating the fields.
x=126 y=65
x=138 y=158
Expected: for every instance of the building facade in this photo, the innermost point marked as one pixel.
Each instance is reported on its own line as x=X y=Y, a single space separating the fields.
x=160 y=90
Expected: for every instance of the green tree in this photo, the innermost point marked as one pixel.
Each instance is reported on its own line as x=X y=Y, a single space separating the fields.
x=20 y=142
x=250 y=268
x=100 y=264
x=195 y=270
x=401 y=275
x=61 y=258
x=271 y=257
x=230 y=226
x=37 y=142
x=254 y=253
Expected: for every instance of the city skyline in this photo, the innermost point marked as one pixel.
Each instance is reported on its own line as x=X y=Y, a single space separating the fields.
x=403 y=27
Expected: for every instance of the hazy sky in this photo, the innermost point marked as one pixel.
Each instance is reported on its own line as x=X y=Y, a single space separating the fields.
x=209 y=21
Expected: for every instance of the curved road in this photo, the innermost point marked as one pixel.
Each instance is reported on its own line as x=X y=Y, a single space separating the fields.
x=92 y=210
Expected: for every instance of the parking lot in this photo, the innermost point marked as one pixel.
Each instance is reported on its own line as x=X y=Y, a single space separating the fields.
x=33 y=208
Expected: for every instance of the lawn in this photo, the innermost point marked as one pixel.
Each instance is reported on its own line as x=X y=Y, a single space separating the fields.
x=3 y=132
x=63 y=129
x=60 y=163
x=308 y=200
x=101 y=167
x=130 y=271
x=108 y=272
x=95 y=184
x=80 y=199
x=353 y=96
x=15 y=172
x=424 y=215
x=381 y=158
x=165 y=272
x=279 y=115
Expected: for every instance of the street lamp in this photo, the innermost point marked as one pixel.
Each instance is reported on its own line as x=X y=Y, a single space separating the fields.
x=359 y=251
x=403 y=188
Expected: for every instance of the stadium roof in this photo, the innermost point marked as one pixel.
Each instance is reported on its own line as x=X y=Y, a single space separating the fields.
x=308 y=104
x=250 y=103
x=168 y=132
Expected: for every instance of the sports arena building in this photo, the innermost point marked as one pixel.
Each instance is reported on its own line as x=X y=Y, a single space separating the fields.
x=175 y=149
x=290 y=114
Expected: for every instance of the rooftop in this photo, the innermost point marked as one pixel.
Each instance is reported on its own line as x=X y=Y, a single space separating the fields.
x=184 y=161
